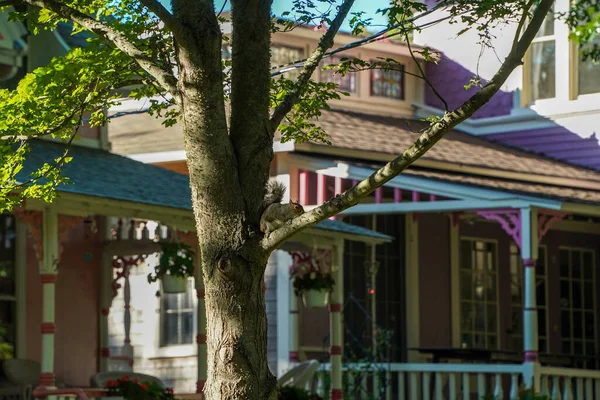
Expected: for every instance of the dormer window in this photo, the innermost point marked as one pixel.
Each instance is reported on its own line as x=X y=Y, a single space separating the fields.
x=345 y=83
x=388 y=83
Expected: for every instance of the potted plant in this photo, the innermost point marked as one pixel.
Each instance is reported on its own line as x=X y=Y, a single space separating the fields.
x=132 y=389
x=313 y=285
x=176 y=264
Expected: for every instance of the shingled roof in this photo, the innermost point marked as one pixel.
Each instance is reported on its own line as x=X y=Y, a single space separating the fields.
x=99 y=173
x=361 y=134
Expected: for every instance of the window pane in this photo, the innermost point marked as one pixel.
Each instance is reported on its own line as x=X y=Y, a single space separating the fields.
x=387 y=83
x=547 y=28
x=589 y=74
x=576 y=292
x=170 y=301
x=543 y=70
x=542 y=322
x=283 y=55
x=565 y=322
x=187 y=328
x=564 y=263
x=576 y=264
x=171 y=336
x=345 y=83
x=588 y=265
x=565 y=294
x=466 y=285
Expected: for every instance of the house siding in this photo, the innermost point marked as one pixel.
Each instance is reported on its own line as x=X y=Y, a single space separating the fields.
x=434 y=281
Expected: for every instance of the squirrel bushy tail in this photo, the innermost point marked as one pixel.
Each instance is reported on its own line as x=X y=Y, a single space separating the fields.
x=275 y=193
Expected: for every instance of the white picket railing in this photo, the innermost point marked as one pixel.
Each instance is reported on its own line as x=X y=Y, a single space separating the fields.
x=570 y=383
x=403 y=381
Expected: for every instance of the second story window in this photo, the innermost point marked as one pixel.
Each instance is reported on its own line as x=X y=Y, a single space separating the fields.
x=542 y=74
x=283 y=55
x=588 y=74
x=345 y=83
x=387 y=83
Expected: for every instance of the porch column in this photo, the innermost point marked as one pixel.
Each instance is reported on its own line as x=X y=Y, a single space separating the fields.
x=106 y=296
x=529 y=254
x=201 y=329
x=336 y=329
x=294 y=327
x=48 y=271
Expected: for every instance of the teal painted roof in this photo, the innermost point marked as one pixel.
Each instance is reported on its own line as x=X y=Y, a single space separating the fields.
x=99 y=173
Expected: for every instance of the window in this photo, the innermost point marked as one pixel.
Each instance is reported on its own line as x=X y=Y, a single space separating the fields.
x=478 y=294
x=515 y=329
x=542 y=74
x=283 y=55
x=7 y=285
x=577 y=298
x=177 y=317
x=588 y=74
x=345 y=83
x=387 y=83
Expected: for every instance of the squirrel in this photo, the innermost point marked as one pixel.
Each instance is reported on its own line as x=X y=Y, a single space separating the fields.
x=276 y=214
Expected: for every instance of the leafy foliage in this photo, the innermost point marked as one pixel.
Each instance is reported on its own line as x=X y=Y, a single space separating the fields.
x=176 y=259
x=132 y=389
x=294 y=393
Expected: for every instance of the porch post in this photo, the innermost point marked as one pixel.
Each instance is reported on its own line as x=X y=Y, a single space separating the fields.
x=201 y=328
x=294 y=342
x=106 y=296
x=529 y=254
x=48 y=271
x=336 y=329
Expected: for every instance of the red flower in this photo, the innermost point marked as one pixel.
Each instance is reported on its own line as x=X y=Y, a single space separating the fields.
x=169 y=390
x=135 y=380
x=111 y=383
x=144 y=386
x=124 y=378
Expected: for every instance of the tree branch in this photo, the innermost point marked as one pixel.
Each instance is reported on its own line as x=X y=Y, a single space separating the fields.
x=164 y=15
x=311 y=64
x=164 y=77
x=427 y=139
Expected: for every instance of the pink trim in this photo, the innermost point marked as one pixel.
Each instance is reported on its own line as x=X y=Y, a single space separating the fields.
x=545 y=219
x=33 y=219
x=48 y=278
x=200 y=386
x=336 y=394
x=529 y=262
x=397 y=195
x=510 y=221
x=531 y=356
x=293 y=356
x=338 y=186
x=303 y=187
x=335 y=350
x=321 y=188
x=415 y=196
x=432 y=197
x=48 y=328
x=47 y=379
x=335 y=307
x=378 y=195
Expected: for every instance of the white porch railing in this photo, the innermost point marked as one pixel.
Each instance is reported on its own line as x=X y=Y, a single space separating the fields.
x=404 y=381
x=569 y=383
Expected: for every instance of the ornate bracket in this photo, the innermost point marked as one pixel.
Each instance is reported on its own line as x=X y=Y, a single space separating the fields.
x=121 y=266
x=510 y=221
x=319 y=259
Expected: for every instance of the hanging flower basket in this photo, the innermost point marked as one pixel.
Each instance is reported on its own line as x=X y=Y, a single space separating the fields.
x=176 y=265
x=174 y=284
x=315 y=298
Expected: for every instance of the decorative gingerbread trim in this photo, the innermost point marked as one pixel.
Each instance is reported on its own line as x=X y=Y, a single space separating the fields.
x=509 y=220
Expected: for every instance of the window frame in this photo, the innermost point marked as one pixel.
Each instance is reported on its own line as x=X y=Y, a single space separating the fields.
x=323 y=75
x=582 y=309
x=528 y=99
x=460 y=297
x=163 y=314
x=402 y=82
